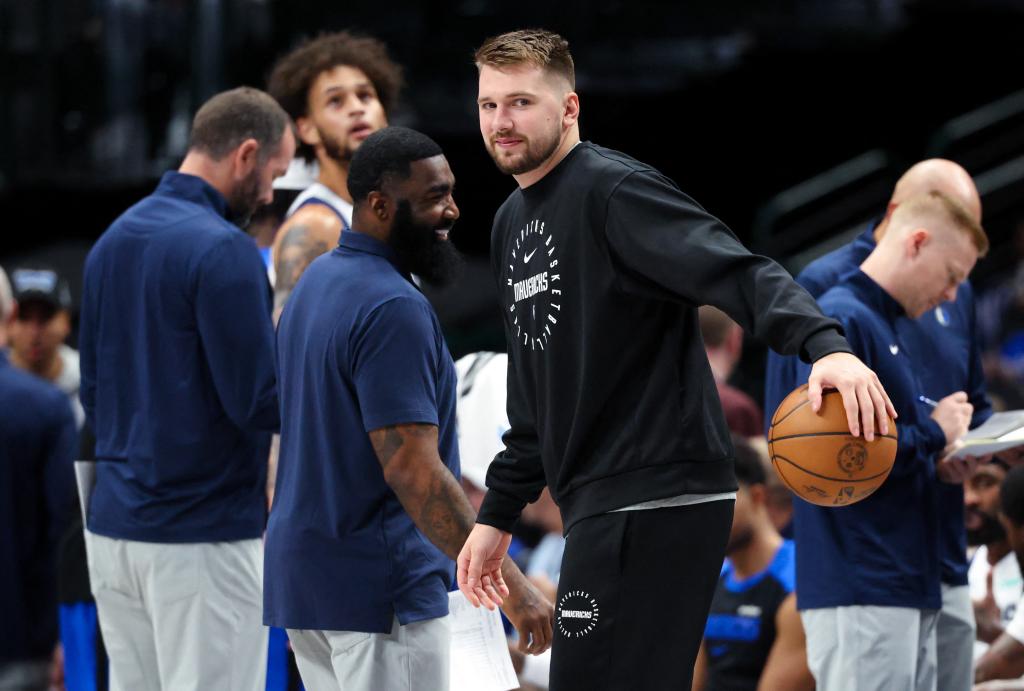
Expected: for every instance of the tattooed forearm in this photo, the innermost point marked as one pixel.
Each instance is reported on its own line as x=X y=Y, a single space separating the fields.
x=299 y=246
x=446 y=516
x=429 y=493
x=386 y=443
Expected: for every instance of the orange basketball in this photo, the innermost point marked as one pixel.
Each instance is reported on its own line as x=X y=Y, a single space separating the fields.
x=818 y=458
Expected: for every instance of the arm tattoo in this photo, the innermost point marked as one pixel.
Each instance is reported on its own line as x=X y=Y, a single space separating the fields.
x=445 y=519
x=386 y=445
x=429 y=493
x=298 y=248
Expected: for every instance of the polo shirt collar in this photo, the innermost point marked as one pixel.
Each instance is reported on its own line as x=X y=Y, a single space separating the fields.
x=361 y=242
x=874 y=295
x=194 y=189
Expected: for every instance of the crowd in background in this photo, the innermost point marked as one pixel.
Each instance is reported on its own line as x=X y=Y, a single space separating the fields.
x=753 y=636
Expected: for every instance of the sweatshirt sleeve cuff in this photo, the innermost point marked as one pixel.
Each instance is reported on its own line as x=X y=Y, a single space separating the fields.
x=934 y=437
x=499 y=510
x=822 y=343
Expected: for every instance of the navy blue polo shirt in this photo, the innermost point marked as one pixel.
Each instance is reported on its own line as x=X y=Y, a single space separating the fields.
x=883 y=550
x=178 y=382
x=37 y=444
x=946 y=335
x=359 y=349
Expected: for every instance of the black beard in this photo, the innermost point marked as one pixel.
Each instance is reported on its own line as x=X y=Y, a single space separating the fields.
x=991 y=530
x=420 y=252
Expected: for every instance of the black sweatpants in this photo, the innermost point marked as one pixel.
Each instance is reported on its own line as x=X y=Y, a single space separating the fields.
x=634 y=595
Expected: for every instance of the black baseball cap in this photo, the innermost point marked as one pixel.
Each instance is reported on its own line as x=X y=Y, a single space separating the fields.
x=40 y=284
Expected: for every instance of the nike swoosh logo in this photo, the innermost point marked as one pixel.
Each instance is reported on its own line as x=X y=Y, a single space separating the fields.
x=527 y=257
x=894 y=349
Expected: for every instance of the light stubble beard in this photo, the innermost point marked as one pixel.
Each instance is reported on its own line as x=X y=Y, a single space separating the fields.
x=336 y=150
x=537 y=152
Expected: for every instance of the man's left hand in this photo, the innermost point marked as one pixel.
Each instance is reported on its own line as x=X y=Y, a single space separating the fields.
x=531 y=613
x=864 y=397
x=953 y=469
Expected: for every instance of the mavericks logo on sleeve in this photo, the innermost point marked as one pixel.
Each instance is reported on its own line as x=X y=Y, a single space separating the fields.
x=533 y=286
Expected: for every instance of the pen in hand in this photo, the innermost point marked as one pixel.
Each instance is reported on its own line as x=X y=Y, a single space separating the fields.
x=927 y=401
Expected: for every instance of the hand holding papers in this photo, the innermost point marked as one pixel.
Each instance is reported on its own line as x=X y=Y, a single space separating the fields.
x=479 y=653
x=999 y=433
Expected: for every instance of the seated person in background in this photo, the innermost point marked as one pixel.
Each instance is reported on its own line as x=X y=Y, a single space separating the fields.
x=994 y=576
x=1005 y=657
x=754 y=638
x=723 y=343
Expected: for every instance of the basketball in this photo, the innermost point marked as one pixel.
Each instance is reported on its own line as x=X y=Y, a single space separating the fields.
x=818 y=459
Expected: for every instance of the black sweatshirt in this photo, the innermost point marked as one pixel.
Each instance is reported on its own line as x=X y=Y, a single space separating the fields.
x=601 y=266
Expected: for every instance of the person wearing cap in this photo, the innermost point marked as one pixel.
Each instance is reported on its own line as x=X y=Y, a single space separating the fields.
x=39 y=327
x=38 y=330
x=37 y=438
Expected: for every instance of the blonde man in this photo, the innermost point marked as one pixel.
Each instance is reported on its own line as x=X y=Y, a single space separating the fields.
x=868 y=575
x=600 y=262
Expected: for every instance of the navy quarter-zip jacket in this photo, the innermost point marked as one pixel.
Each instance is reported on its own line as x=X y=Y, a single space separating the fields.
x=178 y=382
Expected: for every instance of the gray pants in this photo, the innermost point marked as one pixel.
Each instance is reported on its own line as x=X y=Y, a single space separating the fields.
x=180 y=617
x=955 y=639
x=866 y=648
x=410 y=658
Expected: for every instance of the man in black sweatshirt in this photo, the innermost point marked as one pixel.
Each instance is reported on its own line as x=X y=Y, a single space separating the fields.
x=601 y=263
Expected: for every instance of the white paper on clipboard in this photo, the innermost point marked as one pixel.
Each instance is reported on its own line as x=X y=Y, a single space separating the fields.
x=480 y=659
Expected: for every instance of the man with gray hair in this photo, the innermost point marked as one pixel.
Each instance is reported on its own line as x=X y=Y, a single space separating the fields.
x=178 y=385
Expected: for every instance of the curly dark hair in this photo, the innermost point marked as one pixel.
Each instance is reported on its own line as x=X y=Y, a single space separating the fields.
x=294 y=74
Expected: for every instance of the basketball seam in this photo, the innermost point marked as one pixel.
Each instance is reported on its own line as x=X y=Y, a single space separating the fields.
x=796 y=408
x=826 y=477
x=829 y=434
x=788 y=483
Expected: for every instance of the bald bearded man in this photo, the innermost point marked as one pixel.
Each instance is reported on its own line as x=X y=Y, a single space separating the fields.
x=944 y=335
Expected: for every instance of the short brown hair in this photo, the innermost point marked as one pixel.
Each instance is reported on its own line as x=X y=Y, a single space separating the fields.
x=943 y=204
x=536 y=47
x=293 y=75
x=231 y=117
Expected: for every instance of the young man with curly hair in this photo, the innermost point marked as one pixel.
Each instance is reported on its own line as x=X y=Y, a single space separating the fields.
x=338 y=88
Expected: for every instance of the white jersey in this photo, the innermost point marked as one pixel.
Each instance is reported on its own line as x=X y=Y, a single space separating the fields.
x=320 y=193
x=481 y=412
x=317 y=193
x=1007 y=587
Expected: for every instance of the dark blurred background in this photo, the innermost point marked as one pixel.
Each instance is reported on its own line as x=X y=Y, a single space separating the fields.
x=789 y=119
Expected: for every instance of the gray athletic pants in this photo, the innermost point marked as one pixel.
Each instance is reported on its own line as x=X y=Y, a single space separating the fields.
x=181 y=617
x=410 y=658
x=866 y=648
x=955 y=639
